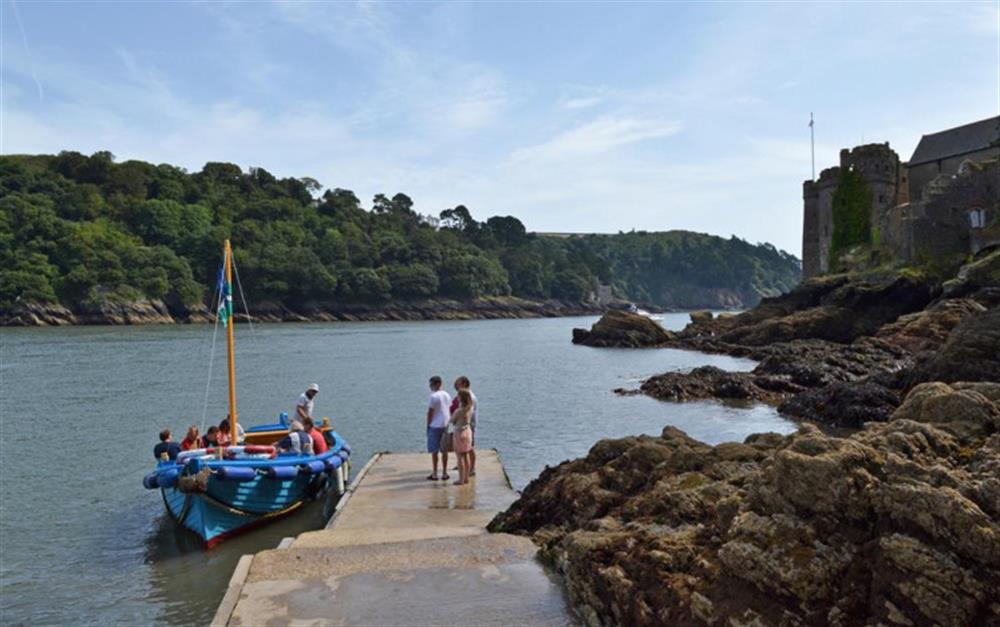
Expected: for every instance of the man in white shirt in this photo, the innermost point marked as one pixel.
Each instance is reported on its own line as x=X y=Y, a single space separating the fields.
x=438 y=415
x=304 y=406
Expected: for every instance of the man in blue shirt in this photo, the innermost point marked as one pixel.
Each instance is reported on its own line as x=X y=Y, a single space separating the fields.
x=166 y=447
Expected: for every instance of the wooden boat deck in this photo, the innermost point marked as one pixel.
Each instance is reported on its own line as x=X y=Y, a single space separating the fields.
x=402 y=550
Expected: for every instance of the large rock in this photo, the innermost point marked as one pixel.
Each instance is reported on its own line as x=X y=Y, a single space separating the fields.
x=622 y=329
x=971 y=353
x=898 y=524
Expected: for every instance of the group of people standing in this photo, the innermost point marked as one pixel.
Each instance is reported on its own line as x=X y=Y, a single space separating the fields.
x=451 y=426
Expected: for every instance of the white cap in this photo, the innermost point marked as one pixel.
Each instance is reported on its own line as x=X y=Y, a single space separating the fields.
x=313 y=387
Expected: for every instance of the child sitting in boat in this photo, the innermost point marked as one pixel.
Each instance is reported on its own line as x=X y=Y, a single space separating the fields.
x=192 y=439
x=297 y=441
x=211 y=438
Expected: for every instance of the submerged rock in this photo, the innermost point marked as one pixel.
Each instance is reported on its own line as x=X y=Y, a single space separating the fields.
x=896 y=524
x=622 y=329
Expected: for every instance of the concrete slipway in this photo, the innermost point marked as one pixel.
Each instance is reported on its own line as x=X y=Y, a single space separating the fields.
x=401 y=550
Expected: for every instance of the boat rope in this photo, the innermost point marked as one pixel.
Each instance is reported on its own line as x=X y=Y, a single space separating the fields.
x=211 y=360
x=246 y=305
x=241 y=512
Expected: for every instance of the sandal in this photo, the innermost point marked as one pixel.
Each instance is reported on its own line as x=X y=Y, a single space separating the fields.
x=459 y=482
x=432 y=477
x=445 y=477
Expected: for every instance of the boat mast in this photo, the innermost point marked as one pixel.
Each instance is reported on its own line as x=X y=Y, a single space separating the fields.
x=228 y=295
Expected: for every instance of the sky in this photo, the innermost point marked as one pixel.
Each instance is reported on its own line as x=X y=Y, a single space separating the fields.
x=572 y=116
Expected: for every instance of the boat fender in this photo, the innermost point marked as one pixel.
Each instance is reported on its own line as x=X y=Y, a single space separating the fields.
x=250 y=449
x=251 y=456
x=345 y=447
x=333 y=463
x=167 y=478
x=313 y=467
x=344 y=454
x=282 y=472
x=194 y=452
x=149 y=481
x=236 y=473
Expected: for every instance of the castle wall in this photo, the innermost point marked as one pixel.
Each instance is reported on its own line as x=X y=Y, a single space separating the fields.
x=941 y=224
x=924 y=173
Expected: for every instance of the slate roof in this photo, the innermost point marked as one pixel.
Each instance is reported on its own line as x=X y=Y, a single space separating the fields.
x=957 y=141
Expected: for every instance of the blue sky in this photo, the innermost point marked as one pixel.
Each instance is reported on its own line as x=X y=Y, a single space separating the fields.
x=591 y=117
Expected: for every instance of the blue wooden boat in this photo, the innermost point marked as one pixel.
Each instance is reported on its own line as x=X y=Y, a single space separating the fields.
x=223 y=491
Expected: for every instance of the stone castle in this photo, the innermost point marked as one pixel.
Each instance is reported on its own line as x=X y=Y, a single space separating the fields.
x=945 y=200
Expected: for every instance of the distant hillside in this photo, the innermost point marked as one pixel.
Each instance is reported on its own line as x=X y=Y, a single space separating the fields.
x=82 y=231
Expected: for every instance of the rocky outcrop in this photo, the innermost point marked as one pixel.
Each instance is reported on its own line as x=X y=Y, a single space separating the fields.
x=836 y=309
x=898 y=524
x=622 y=329
x=131 y=312
x=972 y=353
x=796 y=377
x=709 y=382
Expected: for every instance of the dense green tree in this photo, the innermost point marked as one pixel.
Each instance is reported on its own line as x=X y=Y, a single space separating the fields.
x=85 y=230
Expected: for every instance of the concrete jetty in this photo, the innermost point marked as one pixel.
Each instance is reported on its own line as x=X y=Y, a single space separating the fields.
x=401 y=550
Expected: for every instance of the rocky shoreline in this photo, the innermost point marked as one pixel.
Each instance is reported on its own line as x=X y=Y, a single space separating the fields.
x=158 y=312
x=895 y=523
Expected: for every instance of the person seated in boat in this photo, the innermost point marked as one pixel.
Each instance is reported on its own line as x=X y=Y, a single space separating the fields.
x=297 y=441
x=211 y=438
x=192 y=439
x=318 y=443
x=167 y=449
x=304 y=406
x=226 y=435
x=327 y=432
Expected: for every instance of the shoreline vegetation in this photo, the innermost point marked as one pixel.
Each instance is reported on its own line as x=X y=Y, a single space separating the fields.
x=85 y=238
x=894 y=518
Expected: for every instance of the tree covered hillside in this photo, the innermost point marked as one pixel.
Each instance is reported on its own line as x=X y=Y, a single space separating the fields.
x=82 y=231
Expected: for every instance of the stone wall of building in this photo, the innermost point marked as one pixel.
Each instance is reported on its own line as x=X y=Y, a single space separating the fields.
x=923 y=173
x=956 y=215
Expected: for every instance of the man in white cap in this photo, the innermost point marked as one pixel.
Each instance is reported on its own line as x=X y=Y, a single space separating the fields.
x=304 y=407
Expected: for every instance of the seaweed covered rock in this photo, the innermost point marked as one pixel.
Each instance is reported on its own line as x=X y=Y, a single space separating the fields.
x=843 y=404
x=896 y=524
x=622 y=329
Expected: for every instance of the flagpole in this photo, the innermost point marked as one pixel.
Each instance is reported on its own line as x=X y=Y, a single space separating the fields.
x=812 y=144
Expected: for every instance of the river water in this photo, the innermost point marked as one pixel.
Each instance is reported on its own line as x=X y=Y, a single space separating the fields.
x=81 y=541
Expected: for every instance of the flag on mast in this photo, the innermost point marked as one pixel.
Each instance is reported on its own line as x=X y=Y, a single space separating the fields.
x=225 y=290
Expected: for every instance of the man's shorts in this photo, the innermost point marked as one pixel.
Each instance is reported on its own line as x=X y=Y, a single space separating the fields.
x=434 y=439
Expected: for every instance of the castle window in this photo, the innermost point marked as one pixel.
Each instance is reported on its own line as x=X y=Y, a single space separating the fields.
x=881 y=199
x=977 y=218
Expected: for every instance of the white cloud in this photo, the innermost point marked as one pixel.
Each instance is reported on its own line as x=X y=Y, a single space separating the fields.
x=582 y=103
x=601 y=135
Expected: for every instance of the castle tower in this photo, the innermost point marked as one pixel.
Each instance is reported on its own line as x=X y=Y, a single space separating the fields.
x=817 y=231
x=879 y=166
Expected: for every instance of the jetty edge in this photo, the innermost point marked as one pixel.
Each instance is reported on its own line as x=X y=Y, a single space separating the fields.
x=400 y=549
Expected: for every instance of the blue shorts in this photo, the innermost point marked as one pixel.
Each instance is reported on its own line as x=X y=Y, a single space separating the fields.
x=434 y=439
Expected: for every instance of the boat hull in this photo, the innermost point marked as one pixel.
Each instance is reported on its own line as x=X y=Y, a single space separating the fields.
x=218 y=498
x=221 y=512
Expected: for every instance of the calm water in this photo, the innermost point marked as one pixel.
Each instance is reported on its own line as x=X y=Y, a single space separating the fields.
x=81 y=542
